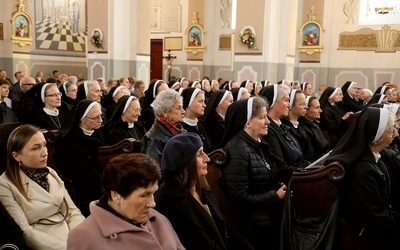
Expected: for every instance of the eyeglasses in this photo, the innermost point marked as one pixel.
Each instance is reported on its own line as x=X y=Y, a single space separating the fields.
x=137 y=111
x=54 y=95
x=29 y=84
x=96 y=118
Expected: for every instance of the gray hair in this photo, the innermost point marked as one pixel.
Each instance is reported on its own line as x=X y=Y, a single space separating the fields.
x=283 y=90
x=165 y=101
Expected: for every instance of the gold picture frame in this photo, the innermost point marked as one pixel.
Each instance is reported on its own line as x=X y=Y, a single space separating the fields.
x=21 y=24
x=195 y=36
x=173 y=43
x=1 y=32
x=311 y=35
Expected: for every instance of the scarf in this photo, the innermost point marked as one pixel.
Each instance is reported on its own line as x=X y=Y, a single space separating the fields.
x=173 y=129
x=39 y=176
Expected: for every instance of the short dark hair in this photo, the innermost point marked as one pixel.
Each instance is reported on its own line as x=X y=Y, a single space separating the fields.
x=126 y=173
x=4 y=81
x=137 y=84
x=55 y=71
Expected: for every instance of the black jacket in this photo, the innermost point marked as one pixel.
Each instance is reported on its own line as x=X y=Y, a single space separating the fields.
x=45 y=121
x=301 y=139
x=195 y=227
x=250 y=182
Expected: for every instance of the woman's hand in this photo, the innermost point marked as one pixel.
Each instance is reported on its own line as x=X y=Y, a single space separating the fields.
x=346 y=115
x=281 y=191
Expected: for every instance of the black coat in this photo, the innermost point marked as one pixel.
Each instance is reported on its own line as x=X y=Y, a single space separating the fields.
x=250 y=182
x=317 y=144
x=200 y=130
x=78 y=159
x=365 y=203
x=332 y=122
x=6 y=114
x=148 y=117
x=215 y=129
x=195 y=227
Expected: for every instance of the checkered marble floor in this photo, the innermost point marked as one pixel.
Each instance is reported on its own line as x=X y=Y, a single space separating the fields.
x=54 y=35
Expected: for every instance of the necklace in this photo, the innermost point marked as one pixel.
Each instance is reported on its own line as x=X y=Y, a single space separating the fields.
x=56 y=121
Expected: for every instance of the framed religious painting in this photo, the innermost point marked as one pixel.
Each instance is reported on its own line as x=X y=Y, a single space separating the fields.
x=311 y=35
x=21 y=24
x=195 y=36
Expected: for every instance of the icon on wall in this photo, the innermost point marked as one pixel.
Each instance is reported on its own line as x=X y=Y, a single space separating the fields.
x=195 y=36
x=21 y=26
x=311 y=35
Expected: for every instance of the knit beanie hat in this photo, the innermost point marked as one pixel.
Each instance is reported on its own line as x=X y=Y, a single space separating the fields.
x=179 y=151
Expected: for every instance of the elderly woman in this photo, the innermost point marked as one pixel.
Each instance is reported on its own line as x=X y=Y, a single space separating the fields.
x=250 y=175
x=6 y=113
x=317 y=144
x=247 y=85
x=89 y=90
x=283 y=144
x=124 y=217
x=169 y=112
x=155 y=88
x=33 y=194
x=350 y=101
x=194 y=105
x=333 y=118
x=78 y=153
x=68 y=92
x=306 y=87
x=364 y=203
x=122 y=123
x=214 y=116
x=48 y=116
x=185 y=198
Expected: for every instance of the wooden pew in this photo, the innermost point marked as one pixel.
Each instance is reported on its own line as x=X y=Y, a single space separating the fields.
x=231 y=215
x=126 y=146
x=311 y=207
x=5 y=131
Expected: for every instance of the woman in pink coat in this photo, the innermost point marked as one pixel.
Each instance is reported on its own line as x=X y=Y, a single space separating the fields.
x=124 y=218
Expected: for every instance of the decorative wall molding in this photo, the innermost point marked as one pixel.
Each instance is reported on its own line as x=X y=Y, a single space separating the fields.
x=247 y=73
x=225 y=12
x=367 y=39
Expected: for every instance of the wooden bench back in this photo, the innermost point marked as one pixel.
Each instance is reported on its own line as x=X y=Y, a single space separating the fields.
x=314 y=191
x=126 y=146
x=5 y=131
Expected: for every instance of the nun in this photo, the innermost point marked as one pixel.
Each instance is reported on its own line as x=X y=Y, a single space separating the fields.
x=317 y=144
x=110 y=100
x=47 y=115
x=214 y=116
x=123 y=122
x=194 y=105
x=155 y=88
x=350 y=101
x=77 y=156
x=364 y=201
x=333 y=119
x=68 y=92
x=240 y=94
x=297 y=110
x=283 y=145
x=250 y=178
